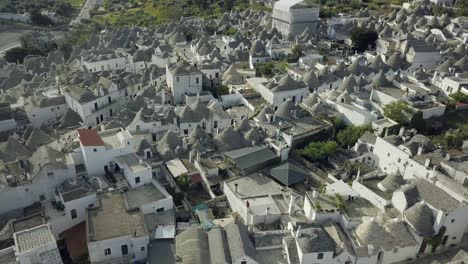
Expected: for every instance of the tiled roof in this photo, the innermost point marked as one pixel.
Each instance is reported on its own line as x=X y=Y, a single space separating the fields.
x=89 y=137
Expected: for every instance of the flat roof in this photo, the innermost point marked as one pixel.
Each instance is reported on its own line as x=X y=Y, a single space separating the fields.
x=90 y=137
x=359 y=207
x=27 y=222
x=33 y=238
x=132 y=161
x=146 y=194
x=111 y=219
x=75 y=188
x=254 y=185
x=250 y=156
x=161 y=251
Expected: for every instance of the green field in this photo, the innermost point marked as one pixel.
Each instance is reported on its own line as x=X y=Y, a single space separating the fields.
x=151 y=12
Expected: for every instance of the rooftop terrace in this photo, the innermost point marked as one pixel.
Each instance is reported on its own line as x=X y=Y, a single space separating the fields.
x=111 y=219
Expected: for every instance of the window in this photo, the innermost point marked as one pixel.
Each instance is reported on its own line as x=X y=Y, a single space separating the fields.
x=244 y=262
x=107 y=251
x=320 y=256
x=142 y=249
x=154 y=137
x=217 y=74
x=73 y=214
x=185 y=131
x=453 y=220
x=95 y=150
x=160 y=210
x=177 y=79
x=51 y=173
x=95 y=106
x=196 y=80
x=388 y=154
x=52 y=109
x=109 y=99
x=137 y=179
x=124 y=249
x=399 y=160
x=215 y=124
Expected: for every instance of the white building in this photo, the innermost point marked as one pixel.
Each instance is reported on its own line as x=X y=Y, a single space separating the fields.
x=295 y=16
x=254 y=197
x=99 y=102
x=183 y=79
x=277 y=92
x=424 y=56
x=45 y=110
x=76 y=195
x=36 y=245
x=100 y=150
x=149 y=199
x=104 y=62
x=114 y=234
x=36 y=178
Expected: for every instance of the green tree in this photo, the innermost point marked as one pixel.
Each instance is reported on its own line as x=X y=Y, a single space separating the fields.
x=351 y=168
x=296 y=52
x=319 y=151
x=39 y=19
x=363 y=38
x=231 y=31
x=18 y=54
x=266 y=69
x=417 y=121
x=350 y=135
x=183 y=181
x=228 y=5
x=340 y=204
x=459 y=97
x=399 y=112
x=64 y=9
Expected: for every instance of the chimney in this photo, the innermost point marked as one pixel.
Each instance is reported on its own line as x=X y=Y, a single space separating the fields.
x=291 y=205
x=314 y=194
x=427 y=163
x=447 y=157
x=191 y=158
x=420 y=150
x=401 y=132
x=163 y=97
x=267 y=211
x=298 y=232
x=236 y=186
x=370 y=249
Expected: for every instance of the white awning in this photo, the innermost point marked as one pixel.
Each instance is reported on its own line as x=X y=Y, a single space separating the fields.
x=165 y=231
x=176 y=167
